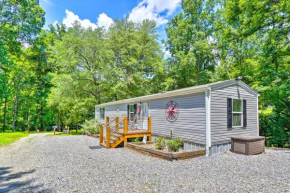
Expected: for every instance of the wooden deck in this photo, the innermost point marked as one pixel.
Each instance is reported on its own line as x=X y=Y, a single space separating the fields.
x=115 y=135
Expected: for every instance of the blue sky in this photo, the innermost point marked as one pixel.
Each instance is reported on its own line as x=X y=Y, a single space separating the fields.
x=95 y=13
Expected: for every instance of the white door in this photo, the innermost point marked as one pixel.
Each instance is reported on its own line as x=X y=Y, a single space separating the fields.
x=145 y=114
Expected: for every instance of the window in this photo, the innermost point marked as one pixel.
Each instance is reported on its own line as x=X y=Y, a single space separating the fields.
x=102 y=111
x=237 y=113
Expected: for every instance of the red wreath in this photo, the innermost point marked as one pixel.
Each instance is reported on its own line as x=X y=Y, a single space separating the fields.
x=171 y=111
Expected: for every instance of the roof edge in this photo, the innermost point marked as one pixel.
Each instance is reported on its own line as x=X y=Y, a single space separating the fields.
x=182 y=92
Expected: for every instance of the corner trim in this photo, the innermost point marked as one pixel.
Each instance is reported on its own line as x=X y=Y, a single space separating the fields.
x=207 y=121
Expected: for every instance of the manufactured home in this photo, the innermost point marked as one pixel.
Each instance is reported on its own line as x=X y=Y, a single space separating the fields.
x=205 y=116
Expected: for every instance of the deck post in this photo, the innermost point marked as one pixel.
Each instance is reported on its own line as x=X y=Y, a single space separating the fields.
x=107 y=120
x=125 y=125
x=125 y=142
x=101 y=134
x=149 y=128
x=117 y=123
x=108 y=137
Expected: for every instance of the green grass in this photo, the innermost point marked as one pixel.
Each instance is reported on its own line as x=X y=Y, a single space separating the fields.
x=73 y=132
x=9 y=137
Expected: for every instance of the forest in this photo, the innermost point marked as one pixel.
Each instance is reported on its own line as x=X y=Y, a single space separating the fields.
x=55 y=75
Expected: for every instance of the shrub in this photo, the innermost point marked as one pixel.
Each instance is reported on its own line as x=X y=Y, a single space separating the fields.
x=274 y=128
x=159 y=142
x=174 y=144
x=90 y=127
x=136 y=140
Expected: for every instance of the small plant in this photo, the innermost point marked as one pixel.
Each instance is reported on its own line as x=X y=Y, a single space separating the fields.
x=159 y=142
x=90 y=127
x=174 y=144
x=136 y=140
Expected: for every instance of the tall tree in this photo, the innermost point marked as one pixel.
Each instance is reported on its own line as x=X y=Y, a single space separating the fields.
x=191 y=44
x=135 y=58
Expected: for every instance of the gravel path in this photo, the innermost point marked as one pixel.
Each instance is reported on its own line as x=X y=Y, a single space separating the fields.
x=42 y=163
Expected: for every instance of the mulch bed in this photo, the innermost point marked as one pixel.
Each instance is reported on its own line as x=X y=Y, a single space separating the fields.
x=149 y=149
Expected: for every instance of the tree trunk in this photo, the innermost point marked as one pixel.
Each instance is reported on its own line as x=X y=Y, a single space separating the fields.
x=58 y=125
x=77 y=128
x=41 y=116
x=15 y=111
x=28 y=129
x=16 y=104
x=4 y=116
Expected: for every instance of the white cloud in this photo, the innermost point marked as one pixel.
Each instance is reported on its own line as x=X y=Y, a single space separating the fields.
x=104 y=21
x=70 y=18
x=157 y=10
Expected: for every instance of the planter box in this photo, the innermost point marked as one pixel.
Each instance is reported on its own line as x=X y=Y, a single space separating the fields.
x=248 y=145
x=141 y=148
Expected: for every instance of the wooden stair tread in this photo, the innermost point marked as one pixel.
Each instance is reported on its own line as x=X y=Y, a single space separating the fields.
x=117 y=135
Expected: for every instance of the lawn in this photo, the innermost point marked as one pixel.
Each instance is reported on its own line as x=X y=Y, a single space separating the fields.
x=9 y=137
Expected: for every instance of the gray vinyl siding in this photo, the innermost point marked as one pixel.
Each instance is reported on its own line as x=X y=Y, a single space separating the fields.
x=190 y=125
x=219 y=131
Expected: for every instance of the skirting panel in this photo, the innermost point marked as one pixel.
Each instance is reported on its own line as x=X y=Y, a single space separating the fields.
x=219 y=148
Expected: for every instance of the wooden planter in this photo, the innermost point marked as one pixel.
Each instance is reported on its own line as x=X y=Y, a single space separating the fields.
x=248 y=145
x=141 y=148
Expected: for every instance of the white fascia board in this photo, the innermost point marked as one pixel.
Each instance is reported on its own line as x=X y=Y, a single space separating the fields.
x=234 y=82
x=169 y=94
x=248 y=88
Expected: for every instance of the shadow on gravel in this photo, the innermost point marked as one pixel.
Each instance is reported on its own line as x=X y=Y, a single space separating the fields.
x=95 y=147
x=11 y=182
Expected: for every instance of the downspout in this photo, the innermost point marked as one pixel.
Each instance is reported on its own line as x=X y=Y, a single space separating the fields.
x=258 y=127
x=207 y=121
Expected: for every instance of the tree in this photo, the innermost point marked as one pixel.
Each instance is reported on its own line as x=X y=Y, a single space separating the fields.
x=20 y=22
x=191 y=44
x=134 y=60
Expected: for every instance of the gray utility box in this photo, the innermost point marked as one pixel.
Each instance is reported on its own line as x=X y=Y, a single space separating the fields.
x=248 y=145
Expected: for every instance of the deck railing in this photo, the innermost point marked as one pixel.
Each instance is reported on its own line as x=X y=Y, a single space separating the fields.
x=113 y=126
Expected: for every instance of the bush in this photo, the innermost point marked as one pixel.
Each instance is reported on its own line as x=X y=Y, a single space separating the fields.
x=174 y=144
x=90 y=127
x=159 y=142
x=275 y=129
x=136 y=140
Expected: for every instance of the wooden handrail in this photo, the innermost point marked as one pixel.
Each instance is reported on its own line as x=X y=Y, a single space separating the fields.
x=107 y=124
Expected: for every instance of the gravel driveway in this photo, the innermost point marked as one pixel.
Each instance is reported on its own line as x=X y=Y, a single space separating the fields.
x=41 y=163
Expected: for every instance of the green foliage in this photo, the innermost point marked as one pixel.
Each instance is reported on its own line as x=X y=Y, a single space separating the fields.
x=159 y=143
x=57 y=76
x=90 y=127
x=136 y=140
x=191 y=45
x=174 y=144
x=275 y=130
x=248 y=38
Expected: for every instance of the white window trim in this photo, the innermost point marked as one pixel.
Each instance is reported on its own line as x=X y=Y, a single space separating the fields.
x=242 y=117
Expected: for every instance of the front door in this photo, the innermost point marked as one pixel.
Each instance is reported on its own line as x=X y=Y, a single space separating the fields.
x=144 y=115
